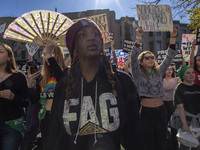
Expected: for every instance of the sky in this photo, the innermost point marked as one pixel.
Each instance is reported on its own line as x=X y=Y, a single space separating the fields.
x=122 y=8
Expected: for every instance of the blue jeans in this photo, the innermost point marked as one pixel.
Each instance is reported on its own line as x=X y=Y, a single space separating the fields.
x=10 y=139
x=154 y=126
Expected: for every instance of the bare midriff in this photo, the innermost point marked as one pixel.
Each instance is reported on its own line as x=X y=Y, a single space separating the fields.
x=48 y=104
x=152 y=102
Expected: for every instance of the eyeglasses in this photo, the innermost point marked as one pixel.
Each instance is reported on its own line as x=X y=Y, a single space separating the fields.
x=149 y=57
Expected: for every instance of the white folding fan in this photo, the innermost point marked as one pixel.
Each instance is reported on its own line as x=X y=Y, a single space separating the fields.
x=37 y=26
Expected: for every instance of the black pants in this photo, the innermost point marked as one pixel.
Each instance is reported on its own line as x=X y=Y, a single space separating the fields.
x=154 y=126
x=45 y=128
x=170 y=110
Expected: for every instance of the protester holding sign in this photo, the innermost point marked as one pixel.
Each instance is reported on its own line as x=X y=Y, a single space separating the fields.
x=13 y=87
x=194 y=62
x=43 y=92
x=93 y=108
x=147 y=76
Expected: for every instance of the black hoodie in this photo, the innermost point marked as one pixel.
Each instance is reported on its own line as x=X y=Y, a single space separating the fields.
x=106 y=121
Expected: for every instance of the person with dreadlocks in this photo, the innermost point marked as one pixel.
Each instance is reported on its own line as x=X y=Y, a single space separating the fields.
x=93 y=108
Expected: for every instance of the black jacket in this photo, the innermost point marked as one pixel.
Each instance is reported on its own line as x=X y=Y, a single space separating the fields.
x=113 y=120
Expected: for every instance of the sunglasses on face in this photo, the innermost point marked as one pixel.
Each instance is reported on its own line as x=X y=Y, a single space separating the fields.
x=149 y=57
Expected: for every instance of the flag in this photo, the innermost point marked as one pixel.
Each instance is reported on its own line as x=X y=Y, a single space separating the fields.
x=2 y=27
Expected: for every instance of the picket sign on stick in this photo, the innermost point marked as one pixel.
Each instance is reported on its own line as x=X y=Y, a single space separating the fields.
x=186 y=45
x=32 y=48
x=155 y=17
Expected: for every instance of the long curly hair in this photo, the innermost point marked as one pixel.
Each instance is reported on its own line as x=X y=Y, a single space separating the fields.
x=59 y=57
x=75 y=73
x=155 y=66
x=11 y=66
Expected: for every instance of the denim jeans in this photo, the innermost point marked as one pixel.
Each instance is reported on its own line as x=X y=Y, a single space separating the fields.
x=154 y=126
x=10 y=139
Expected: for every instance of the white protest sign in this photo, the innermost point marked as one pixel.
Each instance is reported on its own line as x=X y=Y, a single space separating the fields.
x=32 y=48
x=155 y=17
x=186 y=45
x=2 y=27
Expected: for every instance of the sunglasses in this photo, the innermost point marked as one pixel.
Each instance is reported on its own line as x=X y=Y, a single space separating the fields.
x=149 y=57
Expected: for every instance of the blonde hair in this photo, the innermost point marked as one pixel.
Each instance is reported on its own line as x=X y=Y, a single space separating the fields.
x=11 y=66
x=141 y=57
x=59 y=57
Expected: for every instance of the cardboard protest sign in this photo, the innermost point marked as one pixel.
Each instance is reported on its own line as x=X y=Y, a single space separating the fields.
x=128 y=46
x=107 y=52
x=162 y=54
x=198 y=36
x=120 y=57
x=186 y=45
x=32 y=48
x=111 y=36
x=102 y=21
x=2 y=27
x=155 y=17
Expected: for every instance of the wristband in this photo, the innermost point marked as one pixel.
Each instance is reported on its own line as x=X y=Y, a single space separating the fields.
x=138 y=38
x=173 y=37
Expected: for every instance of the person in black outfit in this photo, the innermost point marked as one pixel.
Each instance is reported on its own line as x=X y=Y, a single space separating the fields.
x=13 y=95
x=93 y=107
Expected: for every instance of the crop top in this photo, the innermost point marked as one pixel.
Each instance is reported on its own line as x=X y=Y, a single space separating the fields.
x=152 y=86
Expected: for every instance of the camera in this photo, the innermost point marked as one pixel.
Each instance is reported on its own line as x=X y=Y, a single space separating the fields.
x=30 y=63
x=33 y=66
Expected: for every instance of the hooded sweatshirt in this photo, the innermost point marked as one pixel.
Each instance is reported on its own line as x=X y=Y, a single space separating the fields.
x=94 y=118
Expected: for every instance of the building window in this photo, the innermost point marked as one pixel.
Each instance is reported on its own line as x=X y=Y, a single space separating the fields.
x=151 y=46
x=131 y=30
x=158 y=33
x=183 y=31
x=15 y=54
x=150 y=33
x=23 y=54
x=158 y=45
x=177 y=45
x=177 y=33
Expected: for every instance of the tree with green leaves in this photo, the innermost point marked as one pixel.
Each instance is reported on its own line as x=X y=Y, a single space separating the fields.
x=194 y=19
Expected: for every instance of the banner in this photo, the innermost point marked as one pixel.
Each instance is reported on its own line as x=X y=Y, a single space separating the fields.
x=186 y=45
x=2 y=27
x=162 y=54
x=102 y=21
x=32 y=48
x=155 y=17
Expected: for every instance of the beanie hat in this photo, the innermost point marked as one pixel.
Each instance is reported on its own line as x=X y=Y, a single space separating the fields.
x=73 y=30
x=181 y=72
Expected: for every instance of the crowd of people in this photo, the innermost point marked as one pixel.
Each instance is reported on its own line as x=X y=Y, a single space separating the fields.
x=87 y=103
